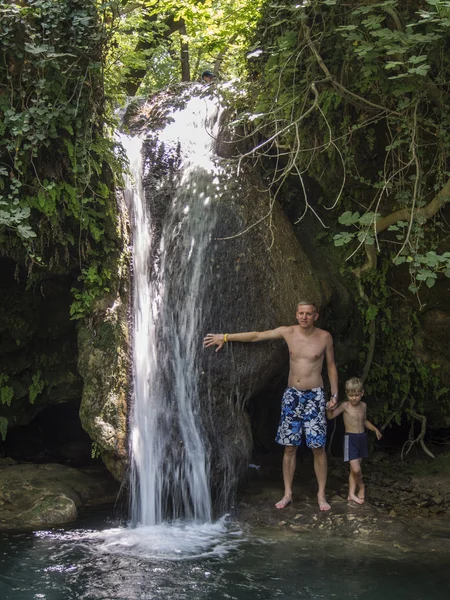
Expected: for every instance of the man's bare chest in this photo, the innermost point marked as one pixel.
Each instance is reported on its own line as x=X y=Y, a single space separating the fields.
x=308 y=350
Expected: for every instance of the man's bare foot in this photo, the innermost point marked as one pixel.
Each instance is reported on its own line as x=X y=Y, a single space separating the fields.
x=285 y=500
x=354 y=498
x=323 y=504
x=361 y=496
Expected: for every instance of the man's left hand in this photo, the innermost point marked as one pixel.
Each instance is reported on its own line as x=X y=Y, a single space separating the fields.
x=331 y=405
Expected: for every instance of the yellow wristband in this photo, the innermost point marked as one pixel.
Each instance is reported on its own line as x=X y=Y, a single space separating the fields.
x=225 y=338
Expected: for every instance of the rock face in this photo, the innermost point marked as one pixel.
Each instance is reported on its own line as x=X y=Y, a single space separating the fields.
x=104 y=363
x=41 y=496
x=254 y=282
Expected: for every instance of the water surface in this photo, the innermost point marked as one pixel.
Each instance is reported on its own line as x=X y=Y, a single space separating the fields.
x=212 y=561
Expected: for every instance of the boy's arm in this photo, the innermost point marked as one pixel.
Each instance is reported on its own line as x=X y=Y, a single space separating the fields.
x=371 y=427
x=332 y=414
x=219 y=339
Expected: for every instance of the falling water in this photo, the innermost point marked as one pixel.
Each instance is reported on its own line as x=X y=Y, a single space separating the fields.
x=170 y=469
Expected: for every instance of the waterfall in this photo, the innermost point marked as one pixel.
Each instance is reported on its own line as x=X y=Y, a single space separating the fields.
x=169 y=454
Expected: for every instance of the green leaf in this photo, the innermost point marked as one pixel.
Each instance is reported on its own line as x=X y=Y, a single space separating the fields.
x=36 y=387
x=421 y=70
x=425 y=274
x=349 y=218
x=417 y=59
x=392 y=64
x=371 y=313
x=343 y=238
x=6 y=394
x=33 y=49
x=369 y=218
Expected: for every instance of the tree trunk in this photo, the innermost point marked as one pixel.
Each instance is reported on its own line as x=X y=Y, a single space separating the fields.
x=184 y=56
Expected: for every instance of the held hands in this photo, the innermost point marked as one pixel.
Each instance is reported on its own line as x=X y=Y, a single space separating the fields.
x=331 y=405
x=214 y=339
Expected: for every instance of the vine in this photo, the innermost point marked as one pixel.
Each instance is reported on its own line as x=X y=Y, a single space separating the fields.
x=355 y=98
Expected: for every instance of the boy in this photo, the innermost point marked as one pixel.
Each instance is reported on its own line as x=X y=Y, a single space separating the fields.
x=355 y=439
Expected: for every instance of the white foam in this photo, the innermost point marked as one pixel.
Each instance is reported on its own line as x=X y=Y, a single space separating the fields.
x=166 y=541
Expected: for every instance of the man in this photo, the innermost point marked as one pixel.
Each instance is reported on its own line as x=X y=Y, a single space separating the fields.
x=303 y=404
x=208 y=77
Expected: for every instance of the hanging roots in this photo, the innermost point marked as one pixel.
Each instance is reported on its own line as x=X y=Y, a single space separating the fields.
x=419 y=439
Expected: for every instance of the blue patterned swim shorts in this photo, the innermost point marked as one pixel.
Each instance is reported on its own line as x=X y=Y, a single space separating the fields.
x=303 y=410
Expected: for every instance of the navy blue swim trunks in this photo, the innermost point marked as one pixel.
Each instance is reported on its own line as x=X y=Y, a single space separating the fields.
x=355 y=446
x=303 y=410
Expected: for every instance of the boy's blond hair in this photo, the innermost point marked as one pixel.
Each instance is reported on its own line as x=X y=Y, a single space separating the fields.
x=354 y=384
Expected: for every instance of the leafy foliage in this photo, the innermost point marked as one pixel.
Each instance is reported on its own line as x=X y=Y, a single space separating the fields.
x=149 y=35
x=398 y=380
x=36 y=387
x=359 y=101
x=6 y=391
x=354 y=97
x=56 y=212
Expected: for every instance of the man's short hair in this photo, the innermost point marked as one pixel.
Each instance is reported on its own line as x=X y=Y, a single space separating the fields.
x=354 y=384
x=310 y=302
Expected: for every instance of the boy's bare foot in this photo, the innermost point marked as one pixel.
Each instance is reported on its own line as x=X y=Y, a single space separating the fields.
x=354 y=498
x=285 y=500
x=361 y=495
x=323 y=504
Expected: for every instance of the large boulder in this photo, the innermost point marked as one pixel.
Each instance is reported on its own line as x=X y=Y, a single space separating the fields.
x=41 y=496
x=252 y=275
x=257 y=272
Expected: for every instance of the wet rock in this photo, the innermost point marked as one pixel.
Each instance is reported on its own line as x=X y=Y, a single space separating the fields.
x=104 y=359
x=40 y=496
x=338 y=499
x=47 y=511
x=401 y=547
x=302 y=527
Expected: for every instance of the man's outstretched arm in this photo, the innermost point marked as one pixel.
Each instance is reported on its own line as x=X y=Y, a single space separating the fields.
x=219 y=339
